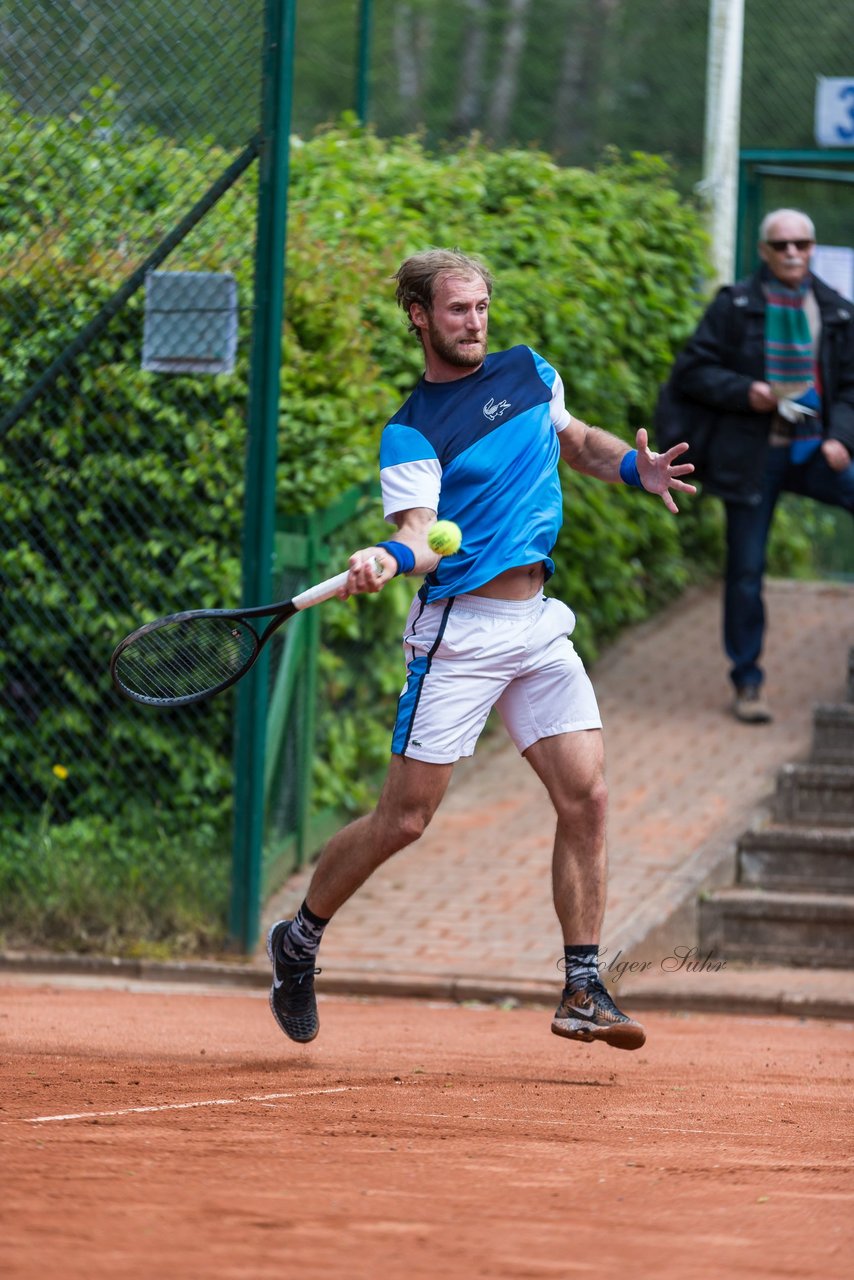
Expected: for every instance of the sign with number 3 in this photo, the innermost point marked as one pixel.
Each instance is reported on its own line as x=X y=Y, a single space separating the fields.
x=834 y=111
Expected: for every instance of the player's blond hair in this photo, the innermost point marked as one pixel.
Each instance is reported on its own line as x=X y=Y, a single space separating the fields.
x=416 y=277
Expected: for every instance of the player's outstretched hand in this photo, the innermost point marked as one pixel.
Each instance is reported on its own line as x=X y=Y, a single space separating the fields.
x=657 y=472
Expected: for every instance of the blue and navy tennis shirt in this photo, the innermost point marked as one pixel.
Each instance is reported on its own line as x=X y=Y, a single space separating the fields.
x=482 y=451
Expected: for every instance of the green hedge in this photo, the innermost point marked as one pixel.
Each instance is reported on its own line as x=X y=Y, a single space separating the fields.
x=598 y=272
x=122 y=492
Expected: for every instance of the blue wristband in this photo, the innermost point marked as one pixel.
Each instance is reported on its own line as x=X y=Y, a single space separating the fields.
x=629 y=469
x=403 y=554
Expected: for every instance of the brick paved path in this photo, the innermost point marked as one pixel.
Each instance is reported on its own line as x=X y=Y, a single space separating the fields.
x=471 y=900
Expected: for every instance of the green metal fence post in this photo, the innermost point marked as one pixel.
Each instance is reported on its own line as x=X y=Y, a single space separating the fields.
x=261 y=455
x=308 y=707
x=746 y=198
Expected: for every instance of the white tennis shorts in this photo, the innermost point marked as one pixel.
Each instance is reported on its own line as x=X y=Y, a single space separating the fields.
x=471 y=653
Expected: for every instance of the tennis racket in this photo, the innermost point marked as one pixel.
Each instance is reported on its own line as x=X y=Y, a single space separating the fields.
x=186 y=657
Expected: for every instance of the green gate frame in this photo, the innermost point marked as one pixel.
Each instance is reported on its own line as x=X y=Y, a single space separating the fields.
x=301 y=547
x=825 y=165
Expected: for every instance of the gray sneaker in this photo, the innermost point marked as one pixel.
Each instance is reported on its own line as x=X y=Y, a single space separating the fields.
x=750 y=705
x=292 y=997
x=589 y=1013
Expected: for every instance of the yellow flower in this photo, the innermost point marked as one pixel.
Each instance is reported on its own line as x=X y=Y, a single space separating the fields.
x=60 y=771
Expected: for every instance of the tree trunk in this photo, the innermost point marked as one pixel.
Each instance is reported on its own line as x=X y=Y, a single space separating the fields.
x=412 y=35
x=471 y=89
x=507 y=80
x=407 y=67
x=579 y=89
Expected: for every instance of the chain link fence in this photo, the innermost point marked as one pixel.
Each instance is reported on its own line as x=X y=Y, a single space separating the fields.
x=576 y=77
x=785 y=50
x=127 y=220
x=786 y=46
x=571 y=76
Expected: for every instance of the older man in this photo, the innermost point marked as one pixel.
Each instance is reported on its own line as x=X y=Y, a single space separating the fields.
x=774 y=356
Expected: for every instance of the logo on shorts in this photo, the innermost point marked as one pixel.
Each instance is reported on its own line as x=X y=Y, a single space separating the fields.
x=492 y=410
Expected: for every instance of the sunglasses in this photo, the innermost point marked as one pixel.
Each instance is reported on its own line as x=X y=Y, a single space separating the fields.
x=780 y=245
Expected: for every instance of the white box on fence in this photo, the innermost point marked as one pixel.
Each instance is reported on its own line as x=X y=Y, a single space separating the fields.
x=190 y=322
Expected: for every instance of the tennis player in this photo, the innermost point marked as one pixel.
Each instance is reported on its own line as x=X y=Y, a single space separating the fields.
x=478 y=442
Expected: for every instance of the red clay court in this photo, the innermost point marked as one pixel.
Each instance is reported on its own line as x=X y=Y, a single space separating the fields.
x=177 y=1134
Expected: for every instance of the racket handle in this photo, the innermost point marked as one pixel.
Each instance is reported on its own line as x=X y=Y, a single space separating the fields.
x=326 y=590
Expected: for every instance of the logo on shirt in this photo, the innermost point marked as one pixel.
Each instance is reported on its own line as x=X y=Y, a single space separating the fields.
x=492 y=410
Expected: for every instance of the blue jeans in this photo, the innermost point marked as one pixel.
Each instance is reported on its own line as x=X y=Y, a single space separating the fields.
x=747 y=529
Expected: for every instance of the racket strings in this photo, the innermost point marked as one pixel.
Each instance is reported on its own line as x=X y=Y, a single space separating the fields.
x=186 y=658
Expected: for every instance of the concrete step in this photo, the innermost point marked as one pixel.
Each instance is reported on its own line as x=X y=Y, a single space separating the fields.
x=757 y=926
x=797 y=859
x=815 y=794
x=833 y=734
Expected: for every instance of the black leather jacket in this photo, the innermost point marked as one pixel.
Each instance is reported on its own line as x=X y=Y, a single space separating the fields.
x=727 y=354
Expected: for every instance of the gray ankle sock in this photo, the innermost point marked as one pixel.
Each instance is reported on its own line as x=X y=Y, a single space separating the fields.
x=581 y=965
x=301 y=940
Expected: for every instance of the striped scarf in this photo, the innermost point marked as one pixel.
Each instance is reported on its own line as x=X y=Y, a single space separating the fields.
x=790 y=365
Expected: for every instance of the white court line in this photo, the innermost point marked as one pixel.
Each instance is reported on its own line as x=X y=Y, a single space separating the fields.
x=188 y=1106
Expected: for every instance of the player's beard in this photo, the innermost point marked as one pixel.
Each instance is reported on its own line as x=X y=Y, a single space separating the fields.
x=466 y=356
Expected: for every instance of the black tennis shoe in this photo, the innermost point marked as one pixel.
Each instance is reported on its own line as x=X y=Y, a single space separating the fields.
x=292 y=997
x=588 y=1013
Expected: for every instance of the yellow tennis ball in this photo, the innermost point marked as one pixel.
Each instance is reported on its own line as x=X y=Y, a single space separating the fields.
x=445 y=538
